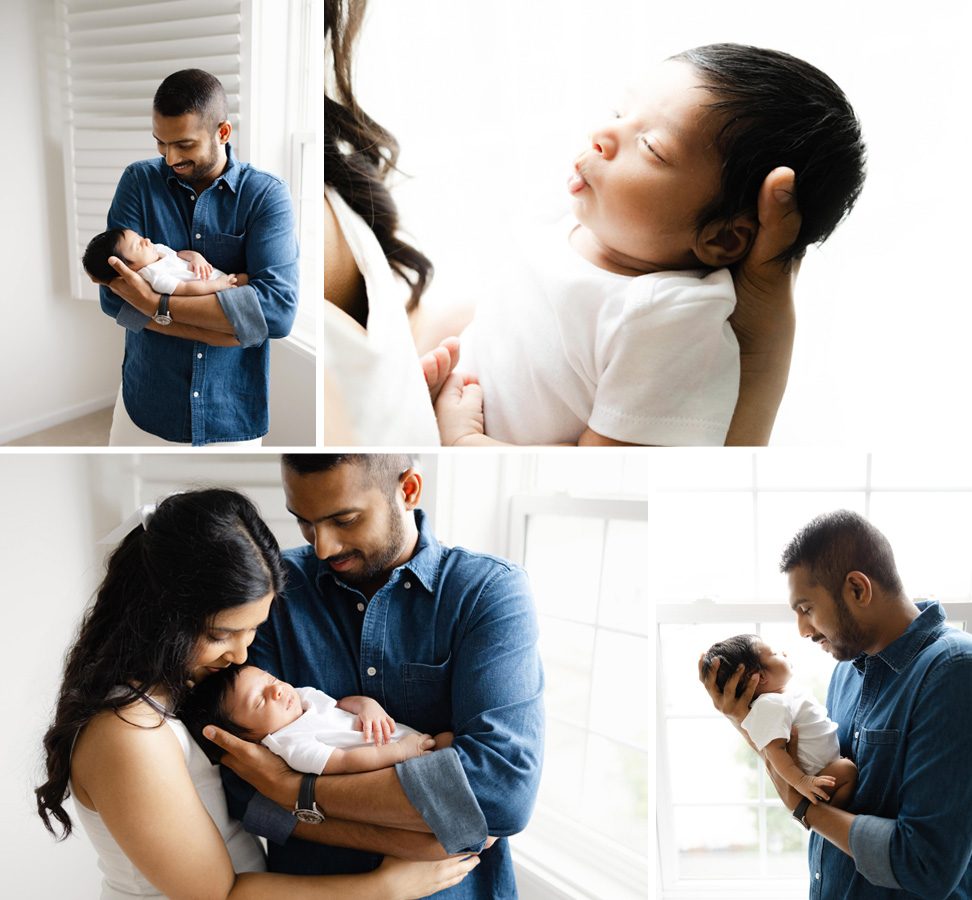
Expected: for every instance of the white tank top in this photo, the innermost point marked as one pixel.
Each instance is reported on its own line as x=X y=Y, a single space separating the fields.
x=122 y=880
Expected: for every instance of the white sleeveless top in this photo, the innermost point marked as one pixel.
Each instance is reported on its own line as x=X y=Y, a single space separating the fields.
x=122 y=880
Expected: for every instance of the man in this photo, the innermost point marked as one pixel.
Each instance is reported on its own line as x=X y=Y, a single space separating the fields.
x=443 y=638
x=196 y=369
x=902 y=700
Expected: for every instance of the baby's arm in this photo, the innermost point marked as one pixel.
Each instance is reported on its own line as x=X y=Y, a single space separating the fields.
x=812 y=787
x=199 y=288
x=373 y=722
x=369 y=757
x=198 y=264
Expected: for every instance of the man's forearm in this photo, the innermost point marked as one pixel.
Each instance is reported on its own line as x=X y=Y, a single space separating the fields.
x=202 y=311
x=193 y=333
x=833 y=824
x=372 y=838
x=375 y=798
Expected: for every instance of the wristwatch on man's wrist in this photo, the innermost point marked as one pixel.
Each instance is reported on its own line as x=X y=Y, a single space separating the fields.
x=800 y=813
x=162 y=316
x=306 y=809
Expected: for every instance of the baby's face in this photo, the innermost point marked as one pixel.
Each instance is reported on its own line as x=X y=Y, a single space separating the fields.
x=649 y=171
x=260 y=703
x=137 y=250
x=776 y=669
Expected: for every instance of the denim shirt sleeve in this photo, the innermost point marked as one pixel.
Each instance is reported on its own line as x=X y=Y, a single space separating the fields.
x=919 y=851
x=267 y=306
x=497 y=702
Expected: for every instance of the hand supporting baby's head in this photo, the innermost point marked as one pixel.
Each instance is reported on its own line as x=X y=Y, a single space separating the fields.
x=246 y=701
x=755 y=656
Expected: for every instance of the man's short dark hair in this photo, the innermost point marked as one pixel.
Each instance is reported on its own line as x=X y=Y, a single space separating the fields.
x=835 y=544
x=99 y=249
x=743 y=648
x=204 y=704
x=781 y=111
x=192 y=91
x=381 y=469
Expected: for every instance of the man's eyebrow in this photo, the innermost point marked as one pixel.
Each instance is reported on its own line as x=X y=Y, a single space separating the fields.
x=333 y=515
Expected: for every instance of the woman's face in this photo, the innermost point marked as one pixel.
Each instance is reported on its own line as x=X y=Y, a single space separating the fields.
x=227 y=636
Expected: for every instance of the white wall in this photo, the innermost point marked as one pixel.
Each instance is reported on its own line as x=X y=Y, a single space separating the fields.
x=61 y=357
x=492 y=103
x=293 y=397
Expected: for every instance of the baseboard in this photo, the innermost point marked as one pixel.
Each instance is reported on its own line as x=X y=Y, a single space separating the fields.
x=58 y=417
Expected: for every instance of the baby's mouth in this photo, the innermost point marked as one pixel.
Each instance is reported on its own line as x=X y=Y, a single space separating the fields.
x=577 y=182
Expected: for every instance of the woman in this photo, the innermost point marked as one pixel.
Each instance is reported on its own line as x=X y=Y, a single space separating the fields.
x=182 y=597
x=373 y=389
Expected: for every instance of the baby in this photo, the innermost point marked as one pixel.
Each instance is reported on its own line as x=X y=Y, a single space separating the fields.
x=615 y=329
x=310 y=730
x=777 y=709
x=185 y=273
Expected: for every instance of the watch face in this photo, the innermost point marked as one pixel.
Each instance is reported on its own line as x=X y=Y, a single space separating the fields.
x=309 y=816
x=162 y=319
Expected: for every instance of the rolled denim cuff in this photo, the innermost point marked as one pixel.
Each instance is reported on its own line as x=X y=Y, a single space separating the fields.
x=437 y=787
x=870 y=845
x=267 y=819
x=131 y=318
x=241 y=305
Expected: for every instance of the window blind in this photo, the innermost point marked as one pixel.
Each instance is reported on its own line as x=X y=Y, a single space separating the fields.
x=116 y=53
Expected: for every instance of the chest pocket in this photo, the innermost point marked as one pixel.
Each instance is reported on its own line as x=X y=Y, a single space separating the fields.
x=877 y=751
x=428 y=696
x=229 y=252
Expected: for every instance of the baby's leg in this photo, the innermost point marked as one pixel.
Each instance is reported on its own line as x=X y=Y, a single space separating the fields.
x=844 y=773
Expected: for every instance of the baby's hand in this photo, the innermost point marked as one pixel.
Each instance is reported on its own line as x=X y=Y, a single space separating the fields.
x=222 y=282
x=197 y=264
x=812 y=787
x=413 y=745
x=459 y=410
x=376 y=725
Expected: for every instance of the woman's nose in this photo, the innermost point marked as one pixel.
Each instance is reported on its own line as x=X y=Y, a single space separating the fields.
x=237 y=652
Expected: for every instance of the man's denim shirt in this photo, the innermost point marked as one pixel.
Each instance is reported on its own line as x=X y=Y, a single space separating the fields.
x=904 y=716
x=187 y=391
x=448 y=644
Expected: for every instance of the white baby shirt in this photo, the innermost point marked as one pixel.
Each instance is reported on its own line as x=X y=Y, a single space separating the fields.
x=308 y=742
x=166 y=273
x=559 y=344
x=773 y=716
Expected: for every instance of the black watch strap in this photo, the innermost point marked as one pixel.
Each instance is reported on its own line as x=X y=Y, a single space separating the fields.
x=800 y=813
x=306 y=809
x=162 y=313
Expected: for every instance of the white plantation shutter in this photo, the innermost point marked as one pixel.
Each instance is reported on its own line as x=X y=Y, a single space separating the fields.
x=116 y=54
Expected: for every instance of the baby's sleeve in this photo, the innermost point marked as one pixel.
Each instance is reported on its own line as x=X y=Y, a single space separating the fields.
x=768 y=721
x=160 y=280
x=302 y=755
x=669 y=372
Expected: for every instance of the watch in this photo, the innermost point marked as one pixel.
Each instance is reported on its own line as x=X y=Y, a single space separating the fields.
x=800 y=813
x=306 y=809
x=162 y=316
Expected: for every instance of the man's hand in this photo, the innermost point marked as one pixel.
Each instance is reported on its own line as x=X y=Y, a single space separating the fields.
x=254 y=763
x=134 y=289
x=459 y=410
x=725 y=701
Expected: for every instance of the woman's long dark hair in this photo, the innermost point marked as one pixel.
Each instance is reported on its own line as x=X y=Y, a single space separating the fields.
x=203 y=552
x=359 y=155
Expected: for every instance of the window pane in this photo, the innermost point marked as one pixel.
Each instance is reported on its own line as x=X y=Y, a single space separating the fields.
x=703 y=546
x=623 y=670
x=567 y=651
x=578 y=474
x=694 y=468
x=563 y=557
x=811 y=469
x=624 y=594
x=708 y=760
x=563 y=770
x=718 y=842
x=619 y=792
x=899 y=469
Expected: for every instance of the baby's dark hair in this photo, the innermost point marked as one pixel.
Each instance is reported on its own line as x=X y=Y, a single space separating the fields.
x=743 y=648
x=205 y=704
x=99 y=249
x=781 y=111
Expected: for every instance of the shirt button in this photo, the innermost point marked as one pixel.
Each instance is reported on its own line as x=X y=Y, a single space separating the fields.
x=857 y=734
x=198 y=236
x=360 y=607
x=192 y=196
x=195 y=393
x=408 y=584
x=198 y=356
x=817 y=876
x=372 y=670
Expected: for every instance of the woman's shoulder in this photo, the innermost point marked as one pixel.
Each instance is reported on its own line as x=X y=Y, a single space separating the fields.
x=139 y=726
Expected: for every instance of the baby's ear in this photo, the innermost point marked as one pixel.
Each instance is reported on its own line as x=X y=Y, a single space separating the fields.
x=722 y=243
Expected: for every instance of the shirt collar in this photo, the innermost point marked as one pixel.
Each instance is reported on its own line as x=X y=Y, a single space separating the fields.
x=230 y=177
x=900 y=652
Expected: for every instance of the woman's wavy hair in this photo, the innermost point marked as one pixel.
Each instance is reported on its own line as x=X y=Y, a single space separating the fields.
x=203 y=552
x=360 y=155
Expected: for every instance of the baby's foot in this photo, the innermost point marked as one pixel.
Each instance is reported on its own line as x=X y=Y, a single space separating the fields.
x=438 y=364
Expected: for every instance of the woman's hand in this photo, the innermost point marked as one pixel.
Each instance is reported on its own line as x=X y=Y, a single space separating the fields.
x=411 y=880
x=254 y=763
x=764 y=319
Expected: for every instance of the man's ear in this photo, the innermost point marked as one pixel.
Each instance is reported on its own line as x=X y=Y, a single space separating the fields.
x=410 y=484
x=224 y=131
x=723 y=242
x=857 y=589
